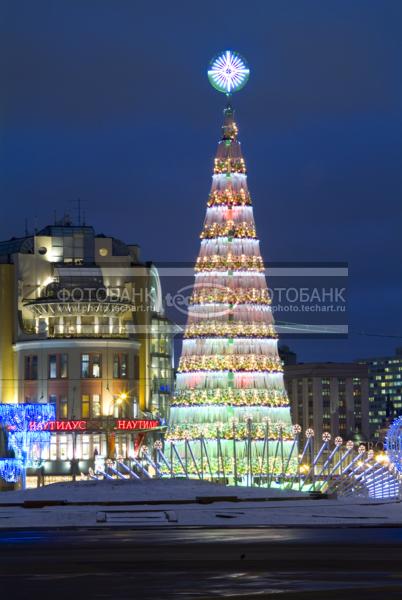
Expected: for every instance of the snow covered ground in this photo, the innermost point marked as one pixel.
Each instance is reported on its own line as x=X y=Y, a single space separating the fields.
x=139 y=490
x=167 y=503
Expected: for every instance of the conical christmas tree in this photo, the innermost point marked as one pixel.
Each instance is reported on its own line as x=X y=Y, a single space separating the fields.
x=229 y=385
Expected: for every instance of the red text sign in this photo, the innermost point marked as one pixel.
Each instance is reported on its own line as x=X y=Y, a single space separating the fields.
x=58 y=426
x=127 y=424
x=82 y=425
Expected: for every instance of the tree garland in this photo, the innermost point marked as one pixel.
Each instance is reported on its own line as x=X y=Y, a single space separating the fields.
x=229 y=198
x=229 y=229
x=229 y=295
x=237 y=329
x=241 y=431
x=231 y=262
x=231 y=362
x=229 y=165
x=230 y=397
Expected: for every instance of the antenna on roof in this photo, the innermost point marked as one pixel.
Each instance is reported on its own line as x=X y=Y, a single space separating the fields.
x=79 y=203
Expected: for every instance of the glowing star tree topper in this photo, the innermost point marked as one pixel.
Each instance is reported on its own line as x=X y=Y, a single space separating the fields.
x=228 y=72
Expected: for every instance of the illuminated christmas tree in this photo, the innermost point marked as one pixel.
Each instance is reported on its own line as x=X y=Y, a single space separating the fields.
x=230 y=382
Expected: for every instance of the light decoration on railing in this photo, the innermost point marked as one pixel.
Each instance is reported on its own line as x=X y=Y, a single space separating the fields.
x=393 y=444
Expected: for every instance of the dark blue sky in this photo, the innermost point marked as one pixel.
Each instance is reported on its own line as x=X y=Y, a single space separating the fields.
x=109 y=101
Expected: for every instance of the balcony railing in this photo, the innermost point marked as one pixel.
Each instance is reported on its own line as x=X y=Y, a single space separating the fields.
x=81 y=331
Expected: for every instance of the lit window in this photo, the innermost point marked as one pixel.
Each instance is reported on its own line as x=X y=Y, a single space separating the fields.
x=52 y=366
x=53 y=447
x=91 y=366
x=63 y=447
x=85 y=446
x=85 y=406
x=85 y=366
x=96 y=405
x=63 y=407
x=63 y=366
x=96 y=365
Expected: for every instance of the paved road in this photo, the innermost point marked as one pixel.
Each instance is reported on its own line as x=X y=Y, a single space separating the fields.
x=200 y=564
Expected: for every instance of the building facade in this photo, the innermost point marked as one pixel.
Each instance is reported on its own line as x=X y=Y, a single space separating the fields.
x=82 y=326
x=385 y=391
x=330 y=397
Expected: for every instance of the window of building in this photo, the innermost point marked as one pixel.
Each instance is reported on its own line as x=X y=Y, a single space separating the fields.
x=45 y=452
x=85 y=366
x=96 y=365
x=53 y=399
x=120 y=363
x=53 y=447
x=31 y=367
x=63 y=447
x=90 y=405
x=85 y=446
x=91 y=365
x=63 y=407
x=96 y=445
x=58 y=366
x=96 y=405
x=136 y=367
x=52 y=366
x=85 y=406
x=63 y=366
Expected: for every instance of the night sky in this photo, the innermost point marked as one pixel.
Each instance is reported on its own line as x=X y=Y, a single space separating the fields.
x=108 y=101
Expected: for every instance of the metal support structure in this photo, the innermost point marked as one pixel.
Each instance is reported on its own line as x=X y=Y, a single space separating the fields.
x=343 y=469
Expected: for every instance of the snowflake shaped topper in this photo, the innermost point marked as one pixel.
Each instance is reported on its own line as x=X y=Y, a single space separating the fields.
x=228 y=72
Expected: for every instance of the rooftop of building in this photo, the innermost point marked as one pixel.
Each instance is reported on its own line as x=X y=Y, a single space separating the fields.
x=63 y=228
x=327 y=369
x=397 y=357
